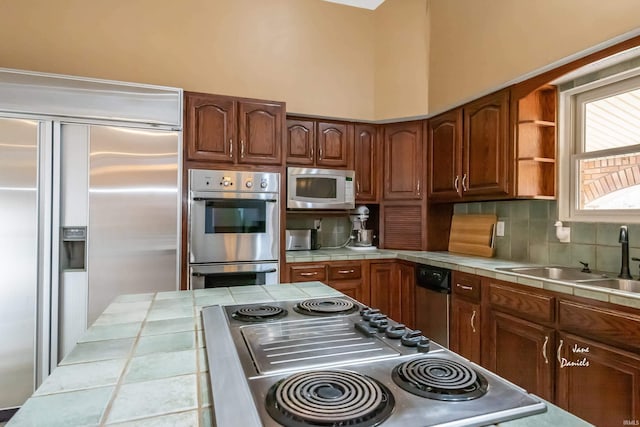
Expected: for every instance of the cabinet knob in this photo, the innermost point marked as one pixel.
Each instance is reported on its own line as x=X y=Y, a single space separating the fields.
x=455 y=183
x=346 y=271
x=464 y=287
x=320 y=154
x=464 y=179
x=242 y=148
x=315 y=273
x=544 y=350
x=418 y=187
x=230 y=147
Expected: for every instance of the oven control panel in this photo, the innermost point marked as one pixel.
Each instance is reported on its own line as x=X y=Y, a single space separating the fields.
x=236 y=181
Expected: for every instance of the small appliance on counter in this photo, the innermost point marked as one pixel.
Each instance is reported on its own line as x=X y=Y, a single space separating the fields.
x=302 y=240
x=361 y=237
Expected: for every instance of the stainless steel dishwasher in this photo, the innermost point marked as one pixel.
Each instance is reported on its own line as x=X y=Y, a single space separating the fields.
x=432 y=299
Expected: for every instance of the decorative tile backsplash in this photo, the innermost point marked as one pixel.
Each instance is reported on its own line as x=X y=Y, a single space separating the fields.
x=530 y=235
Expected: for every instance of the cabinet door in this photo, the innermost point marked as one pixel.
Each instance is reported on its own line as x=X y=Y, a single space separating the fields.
x=209 y=130
x=407 y=278
x=403 y=227
x=465 y=329
x=260 y=131
x=301 y=137
x=334 y=142
x=522 y=352
x=307 y=273
x=607 y=391
x=486 y=146
x=365 y=161
x=403 y=163
x=445 y=156
x=385 y=289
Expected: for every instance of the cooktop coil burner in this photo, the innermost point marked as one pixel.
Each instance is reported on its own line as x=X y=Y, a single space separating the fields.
x=439 y=379
x=258 y=313
x=329 y=398
x=326 y=307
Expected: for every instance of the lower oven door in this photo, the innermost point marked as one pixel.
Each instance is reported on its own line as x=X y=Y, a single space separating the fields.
x=233 y=228
x=223 y=275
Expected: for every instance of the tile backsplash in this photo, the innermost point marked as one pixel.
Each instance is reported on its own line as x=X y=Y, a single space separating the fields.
x=530 y=236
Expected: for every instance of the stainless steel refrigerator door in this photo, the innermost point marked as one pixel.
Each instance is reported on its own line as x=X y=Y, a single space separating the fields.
x=18 y=258
x=134 y=202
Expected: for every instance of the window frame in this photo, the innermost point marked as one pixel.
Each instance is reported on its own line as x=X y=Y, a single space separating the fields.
x=571 y=145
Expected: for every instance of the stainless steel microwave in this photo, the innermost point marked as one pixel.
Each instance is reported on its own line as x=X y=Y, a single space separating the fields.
x=311 y=188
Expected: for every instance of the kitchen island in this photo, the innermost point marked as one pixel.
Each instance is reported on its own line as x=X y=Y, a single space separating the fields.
x=143 y=363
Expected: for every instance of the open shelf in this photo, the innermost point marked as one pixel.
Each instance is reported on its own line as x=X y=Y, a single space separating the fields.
x=536 y=144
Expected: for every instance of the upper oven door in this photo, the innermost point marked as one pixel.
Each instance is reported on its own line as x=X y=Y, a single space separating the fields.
x=230 y=227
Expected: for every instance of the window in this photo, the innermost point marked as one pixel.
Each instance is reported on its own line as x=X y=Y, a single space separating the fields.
x=600 y=151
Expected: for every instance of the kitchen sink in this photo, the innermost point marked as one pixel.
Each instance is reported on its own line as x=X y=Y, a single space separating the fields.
x=619 y=284
x=576 y=276
x=554 y=273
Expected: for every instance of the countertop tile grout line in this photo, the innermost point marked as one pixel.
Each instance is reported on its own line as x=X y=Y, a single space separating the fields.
x=130 y=356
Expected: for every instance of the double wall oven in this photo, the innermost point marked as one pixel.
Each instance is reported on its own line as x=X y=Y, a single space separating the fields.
x=234 y=228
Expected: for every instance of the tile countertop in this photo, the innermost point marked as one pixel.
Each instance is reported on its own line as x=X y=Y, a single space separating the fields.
x=143 y=363
x=474 y=265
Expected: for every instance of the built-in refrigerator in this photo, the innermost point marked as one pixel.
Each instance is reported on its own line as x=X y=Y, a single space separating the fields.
x=89 y=209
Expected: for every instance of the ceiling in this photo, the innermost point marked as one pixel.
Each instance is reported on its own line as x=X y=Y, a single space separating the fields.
x=365 y=4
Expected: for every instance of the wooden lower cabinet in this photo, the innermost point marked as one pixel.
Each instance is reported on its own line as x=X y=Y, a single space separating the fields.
x=606 y=392
x=392 y=290
x=344 y=276
x=347 y=278
x=583 y=356
x=464 y=338
x=522 y=352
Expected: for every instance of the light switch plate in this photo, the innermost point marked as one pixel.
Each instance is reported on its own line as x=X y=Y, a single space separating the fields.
x=500 y=229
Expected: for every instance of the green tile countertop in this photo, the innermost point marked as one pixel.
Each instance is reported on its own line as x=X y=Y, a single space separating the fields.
x=143 y=363
x=486 y=267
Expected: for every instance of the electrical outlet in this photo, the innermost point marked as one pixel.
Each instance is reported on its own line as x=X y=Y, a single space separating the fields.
x=317 y=224
x=500 y=229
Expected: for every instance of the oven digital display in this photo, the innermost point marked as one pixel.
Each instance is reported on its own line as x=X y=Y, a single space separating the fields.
x=235 y=216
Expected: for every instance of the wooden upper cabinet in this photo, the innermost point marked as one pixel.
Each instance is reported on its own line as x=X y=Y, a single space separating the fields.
x=403 y=161
x=316 y=143
x=230 y=130
x=444 y=140
x=486 y=146
x=260 y=129
x=334 y=140
x=209 y=127
x=366 y=155
x=301 y=141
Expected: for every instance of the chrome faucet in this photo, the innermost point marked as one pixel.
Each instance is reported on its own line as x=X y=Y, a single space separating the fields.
x=624 y=240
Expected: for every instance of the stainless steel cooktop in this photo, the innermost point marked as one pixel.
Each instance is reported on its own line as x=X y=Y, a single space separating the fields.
x=332 y=361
